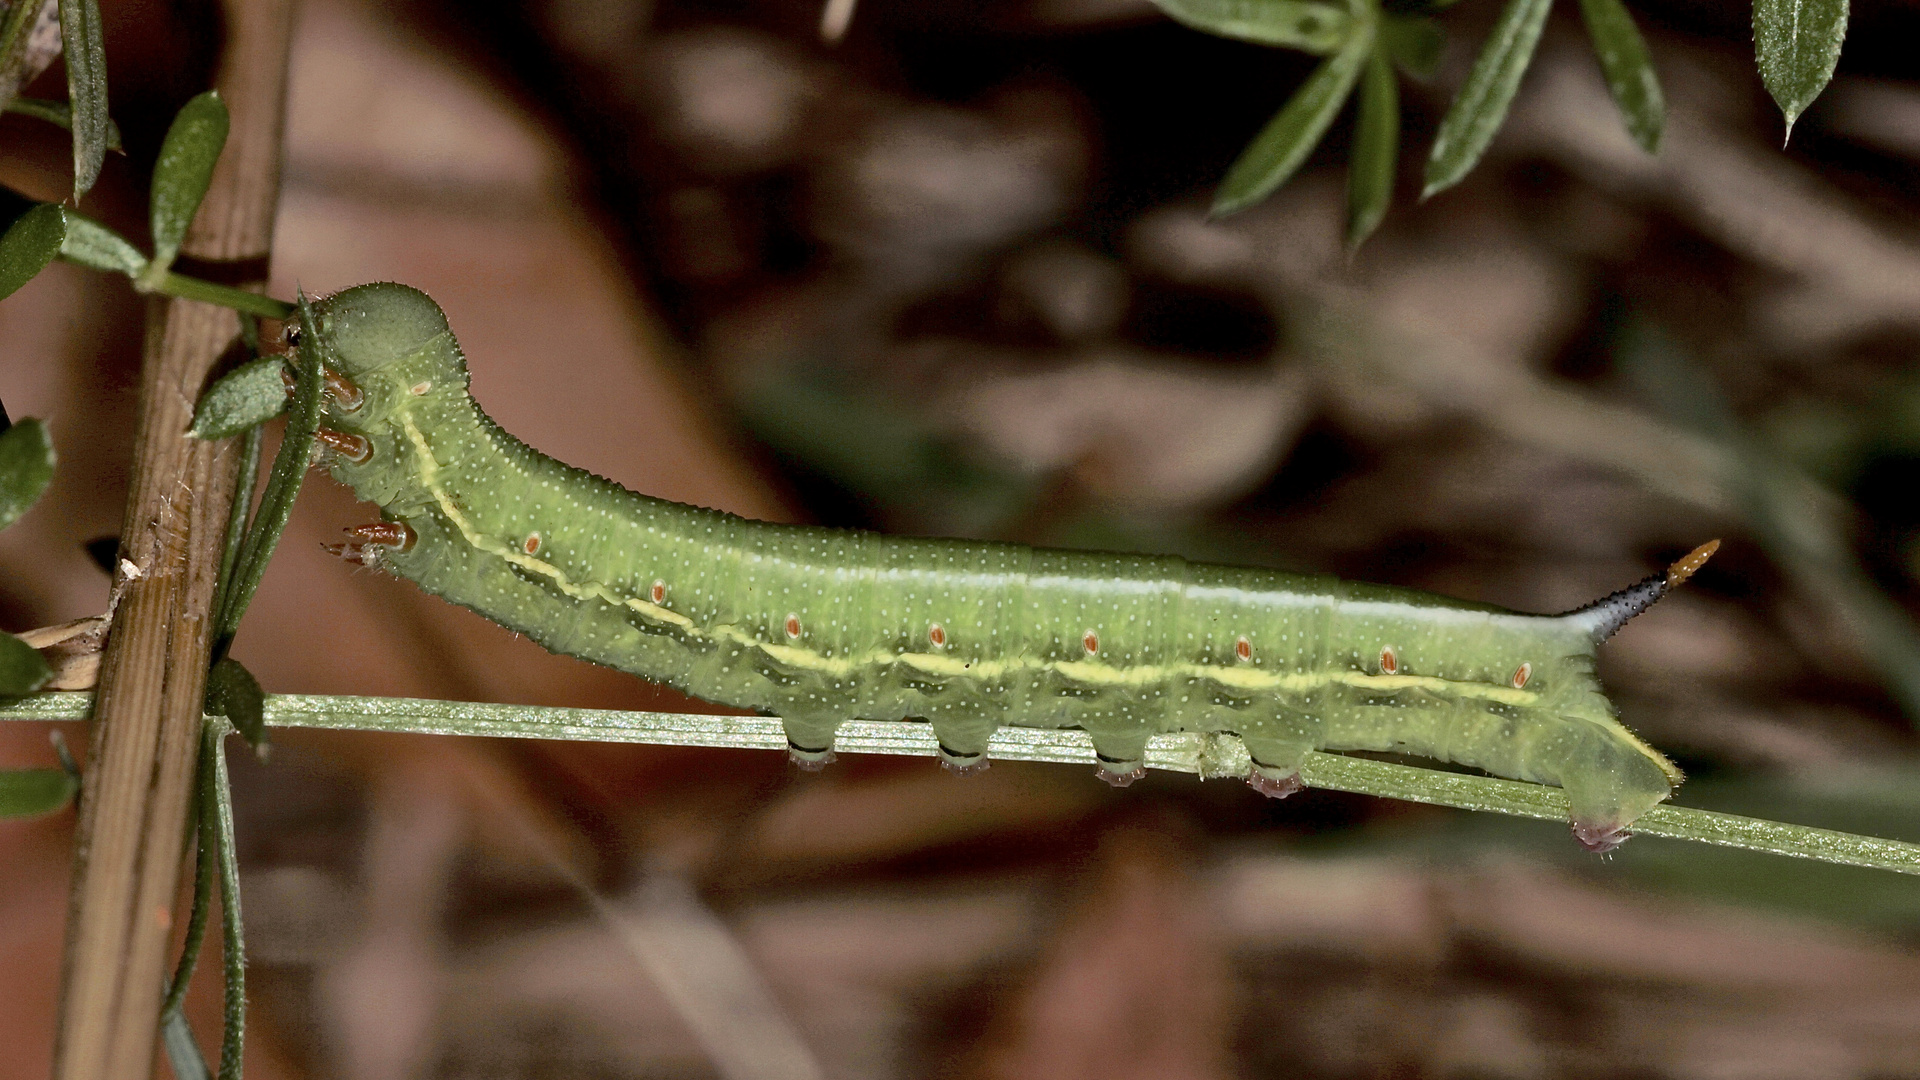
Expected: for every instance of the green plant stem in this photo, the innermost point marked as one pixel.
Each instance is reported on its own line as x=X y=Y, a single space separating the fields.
x=252 y=303
x=1209 y=756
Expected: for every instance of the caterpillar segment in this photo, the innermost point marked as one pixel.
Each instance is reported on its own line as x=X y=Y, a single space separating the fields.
x=819 y=626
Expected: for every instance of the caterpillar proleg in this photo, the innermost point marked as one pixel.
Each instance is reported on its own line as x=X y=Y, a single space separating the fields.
x=817 y=626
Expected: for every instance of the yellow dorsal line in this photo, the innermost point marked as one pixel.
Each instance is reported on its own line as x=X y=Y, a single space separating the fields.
x=1088 y=672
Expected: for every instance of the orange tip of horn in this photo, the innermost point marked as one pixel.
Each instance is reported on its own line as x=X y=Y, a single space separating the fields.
x=1691 y=563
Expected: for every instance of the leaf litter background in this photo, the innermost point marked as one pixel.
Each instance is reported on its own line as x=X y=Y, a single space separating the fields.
x=955 y=277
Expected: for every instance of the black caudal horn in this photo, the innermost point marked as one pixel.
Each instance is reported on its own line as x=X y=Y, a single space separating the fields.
x=1605 y=616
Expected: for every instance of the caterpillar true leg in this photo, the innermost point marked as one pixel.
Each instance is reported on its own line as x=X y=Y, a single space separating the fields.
x=369 y=539
x=354 y=448
x=358 y=554
x=342 y=390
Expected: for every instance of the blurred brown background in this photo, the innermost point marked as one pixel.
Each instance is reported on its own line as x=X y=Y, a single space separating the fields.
x=955 y=276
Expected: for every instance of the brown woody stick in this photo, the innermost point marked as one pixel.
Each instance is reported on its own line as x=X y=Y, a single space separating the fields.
x=133 y=807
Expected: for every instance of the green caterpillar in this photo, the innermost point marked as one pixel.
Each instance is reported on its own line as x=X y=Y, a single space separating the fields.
x=818 y=626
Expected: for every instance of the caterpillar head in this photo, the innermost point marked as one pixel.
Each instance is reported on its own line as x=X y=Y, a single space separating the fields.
x=389 y=362
x=386 y=341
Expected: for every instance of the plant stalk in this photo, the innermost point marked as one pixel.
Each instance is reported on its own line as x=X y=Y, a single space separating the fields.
x=148 y=709
x=1211 y=757
x=252 y=303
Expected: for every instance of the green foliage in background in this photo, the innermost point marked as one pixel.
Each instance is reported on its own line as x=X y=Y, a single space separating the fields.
x=26 y=468
x=1797 y=43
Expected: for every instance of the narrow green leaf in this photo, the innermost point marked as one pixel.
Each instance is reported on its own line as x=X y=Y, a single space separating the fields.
x=236 y=529
x=29 y=245
x=181 y=176
x=250 y=394
x=234 y=953
x=22 y=670
x=183 y=1052
x=13 y=41
x=58 y=114
x=1376 y=151
x=1629 y=70
x=32 y=792
x=86 y=89
x=1414 y=42
x=26 y=468
x=283 y=483
x=1797 y=43
x=1481 y=106
x=1293 y=24
x=97 y=247
x=234 y=693
x=1295 y=130
x=205 y=880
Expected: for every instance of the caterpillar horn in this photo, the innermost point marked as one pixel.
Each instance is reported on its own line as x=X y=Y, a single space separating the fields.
x=1604 y=617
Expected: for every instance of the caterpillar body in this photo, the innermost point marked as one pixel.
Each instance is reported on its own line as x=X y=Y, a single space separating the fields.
x=817 y=626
